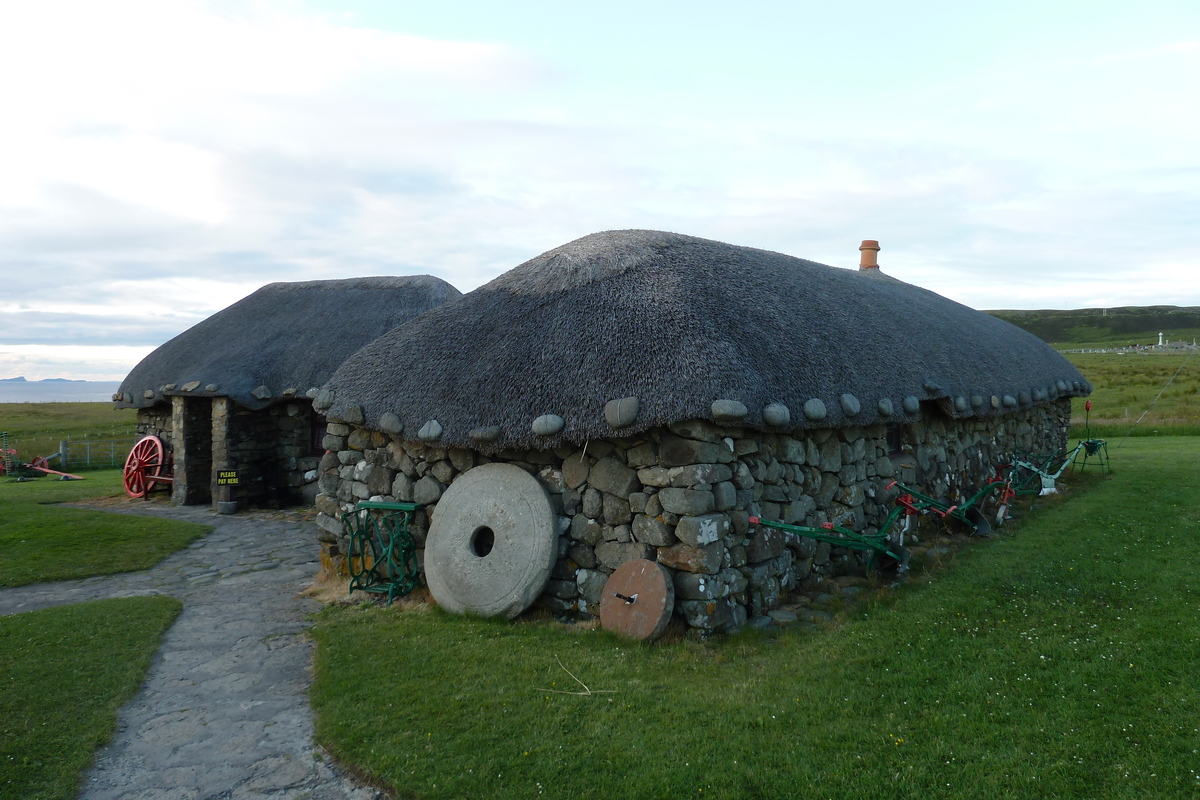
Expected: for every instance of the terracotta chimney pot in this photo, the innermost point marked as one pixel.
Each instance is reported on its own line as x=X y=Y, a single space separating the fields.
x=870 y=254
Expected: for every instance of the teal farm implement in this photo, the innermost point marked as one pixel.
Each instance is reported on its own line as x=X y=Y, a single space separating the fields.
x=383 y=556
x=886 y=546
x=1031 y=475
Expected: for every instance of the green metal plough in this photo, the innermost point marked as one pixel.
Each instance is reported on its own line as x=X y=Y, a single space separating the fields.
x=1037 y=476
x=878 y=544
x=382 y=557
x=886 y=546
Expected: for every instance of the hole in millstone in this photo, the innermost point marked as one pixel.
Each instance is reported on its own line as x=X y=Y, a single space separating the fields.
x=482 y=541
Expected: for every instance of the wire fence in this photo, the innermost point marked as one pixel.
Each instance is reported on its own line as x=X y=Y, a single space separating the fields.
x=93 y=454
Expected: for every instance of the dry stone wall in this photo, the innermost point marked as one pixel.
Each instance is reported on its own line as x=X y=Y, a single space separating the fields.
x=683 y=496
x=156 y=421
x=270 y=447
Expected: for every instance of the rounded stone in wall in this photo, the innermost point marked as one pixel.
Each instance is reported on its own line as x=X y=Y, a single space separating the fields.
x=492 y=542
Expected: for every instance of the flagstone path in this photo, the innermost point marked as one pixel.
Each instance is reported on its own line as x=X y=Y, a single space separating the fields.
x=224 y=710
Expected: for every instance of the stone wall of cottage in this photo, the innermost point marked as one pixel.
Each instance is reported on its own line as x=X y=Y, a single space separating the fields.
x=271 y=448
x=683 y=496
x=156 y=421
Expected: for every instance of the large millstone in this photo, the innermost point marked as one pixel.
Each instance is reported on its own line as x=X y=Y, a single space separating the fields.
x=492 y=542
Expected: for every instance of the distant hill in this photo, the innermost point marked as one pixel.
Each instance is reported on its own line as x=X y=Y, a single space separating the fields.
x=21 y=379
x=1108 y=326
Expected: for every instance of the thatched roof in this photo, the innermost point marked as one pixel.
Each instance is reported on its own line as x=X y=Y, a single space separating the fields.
x=679 y=323
x=281 y=341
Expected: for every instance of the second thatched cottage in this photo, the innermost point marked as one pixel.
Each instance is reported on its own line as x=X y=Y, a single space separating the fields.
x=234 y=392
x=639 y=394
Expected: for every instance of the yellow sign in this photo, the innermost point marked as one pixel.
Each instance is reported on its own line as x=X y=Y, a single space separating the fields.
x=227 y=477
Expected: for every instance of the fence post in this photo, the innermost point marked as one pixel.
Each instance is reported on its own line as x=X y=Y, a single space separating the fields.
x=62 y=454
x=88 y=445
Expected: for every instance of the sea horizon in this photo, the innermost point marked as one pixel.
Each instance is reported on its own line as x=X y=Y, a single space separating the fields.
x=57 y=391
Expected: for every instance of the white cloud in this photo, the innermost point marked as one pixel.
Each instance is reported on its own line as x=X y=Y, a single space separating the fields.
x=78 y=362
x=173 y=156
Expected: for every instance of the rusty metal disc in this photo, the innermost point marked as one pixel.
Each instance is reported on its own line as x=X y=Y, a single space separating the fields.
x=638 y=600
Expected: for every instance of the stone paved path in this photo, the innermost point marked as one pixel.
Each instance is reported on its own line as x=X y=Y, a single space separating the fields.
x=224 y=710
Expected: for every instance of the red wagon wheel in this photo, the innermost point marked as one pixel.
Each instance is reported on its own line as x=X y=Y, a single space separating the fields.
x=143 y=465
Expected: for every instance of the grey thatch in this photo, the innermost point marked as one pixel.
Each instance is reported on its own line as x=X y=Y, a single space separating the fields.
x=621 y=331
x=280 y=341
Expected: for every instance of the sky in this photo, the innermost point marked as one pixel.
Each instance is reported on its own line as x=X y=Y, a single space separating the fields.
x=162 y=159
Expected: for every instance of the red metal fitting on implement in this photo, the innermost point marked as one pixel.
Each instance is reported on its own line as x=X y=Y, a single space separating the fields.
x=754 y=520
x=827 y=526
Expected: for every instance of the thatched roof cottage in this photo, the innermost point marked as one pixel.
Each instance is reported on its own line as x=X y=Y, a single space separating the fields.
x=664 y=388
x=234 y=391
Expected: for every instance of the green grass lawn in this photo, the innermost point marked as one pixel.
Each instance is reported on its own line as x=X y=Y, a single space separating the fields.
x=64 y=673
x=35 y=429
x=40 y=542
x=1056 y=660
x=1125 y=386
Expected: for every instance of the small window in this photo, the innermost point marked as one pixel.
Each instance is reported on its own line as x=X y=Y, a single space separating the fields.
x=319 y=429
x=895 y=439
